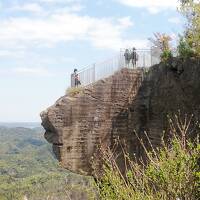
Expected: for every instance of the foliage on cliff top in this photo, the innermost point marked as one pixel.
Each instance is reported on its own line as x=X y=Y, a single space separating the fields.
x=73 y=91
x=161 y=41
x=172 y=172
x=189 y=42
x=161 y=44
x=190 y=9
x=184 y=50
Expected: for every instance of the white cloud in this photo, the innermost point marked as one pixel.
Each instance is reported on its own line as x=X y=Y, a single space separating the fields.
x=153 y=10
x=58 y=1
x=29 y=7
x=32 y=71
x=66 y=9
x=125 y=22
x=47 y=7
x=153 y=6
x=56 y=28
x=76 y=7
x=5 y=53
x=137 y=43
x=174 y=20
x=12 y=53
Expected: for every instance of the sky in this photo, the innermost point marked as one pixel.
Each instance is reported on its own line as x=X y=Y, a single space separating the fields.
x=42 y=41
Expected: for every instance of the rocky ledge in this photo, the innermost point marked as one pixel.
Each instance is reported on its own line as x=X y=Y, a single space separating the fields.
x=76 y=125
x=119 y=106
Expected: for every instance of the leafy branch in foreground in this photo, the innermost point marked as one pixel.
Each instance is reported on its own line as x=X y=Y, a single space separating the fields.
x=172 y=171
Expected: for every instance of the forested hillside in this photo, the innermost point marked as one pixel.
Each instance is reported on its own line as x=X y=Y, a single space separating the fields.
x=28 y=168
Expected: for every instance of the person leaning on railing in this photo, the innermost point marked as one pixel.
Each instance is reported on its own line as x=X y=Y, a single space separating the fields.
x=76 y=78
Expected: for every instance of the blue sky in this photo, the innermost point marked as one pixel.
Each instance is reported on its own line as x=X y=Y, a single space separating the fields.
x=42 y=41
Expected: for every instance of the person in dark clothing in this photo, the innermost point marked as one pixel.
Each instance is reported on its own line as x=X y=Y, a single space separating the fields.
x=76 y=78
x=134 y=57
x=127 y=58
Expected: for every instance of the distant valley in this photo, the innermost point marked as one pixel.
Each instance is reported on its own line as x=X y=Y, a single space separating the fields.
x=28 y=166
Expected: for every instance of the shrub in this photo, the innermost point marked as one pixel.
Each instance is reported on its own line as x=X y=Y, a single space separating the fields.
x=72 y=92
x=172 y=172
x=166 y=55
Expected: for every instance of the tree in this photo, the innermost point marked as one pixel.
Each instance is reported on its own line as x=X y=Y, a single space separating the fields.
x=190 y=9
x=161 y=45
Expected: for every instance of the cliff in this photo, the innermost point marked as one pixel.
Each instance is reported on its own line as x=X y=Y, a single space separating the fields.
x=113 y=108
x=76 y=125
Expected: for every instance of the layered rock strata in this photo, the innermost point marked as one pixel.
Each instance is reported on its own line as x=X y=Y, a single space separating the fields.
x=76 y=125
x=115 y=108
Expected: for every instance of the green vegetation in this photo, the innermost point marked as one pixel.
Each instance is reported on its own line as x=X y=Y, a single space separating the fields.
x=190 y=9
x=184 y=50
x=161 y=42
x=172 y=171
x=28 y=168
x=166 y=56
x=189 y=42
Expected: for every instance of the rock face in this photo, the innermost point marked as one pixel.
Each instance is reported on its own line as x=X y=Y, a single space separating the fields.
x=113 y=108
x=76 y=125
x=166 y=91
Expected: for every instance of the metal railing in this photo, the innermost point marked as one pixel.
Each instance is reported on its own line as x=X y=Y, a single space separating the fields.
x=97 y=71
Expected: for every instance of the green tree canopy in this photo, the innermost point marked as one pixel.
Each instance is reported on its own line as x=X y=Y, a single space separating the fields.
x=191 y=10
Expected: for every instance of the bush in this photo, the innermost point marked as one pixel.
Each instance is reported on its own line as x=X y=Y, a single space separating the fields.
x=72 y=92
x=166 y=56
x=172 y=172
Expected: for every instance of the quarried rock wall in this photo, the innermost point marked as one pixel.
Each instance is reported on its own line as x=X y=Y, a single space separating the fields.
x=116 y=108
x=76 y=125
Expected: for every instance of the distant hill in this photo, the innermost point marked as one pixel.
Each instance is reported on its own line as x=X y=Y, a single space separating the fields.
x=20 y=124
x=28 y=166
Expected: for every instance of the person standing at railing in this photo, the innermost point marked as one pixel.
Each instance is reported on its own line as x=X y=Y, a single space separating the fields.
x=76 y=78
x=127 y=57
x=134 y=57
